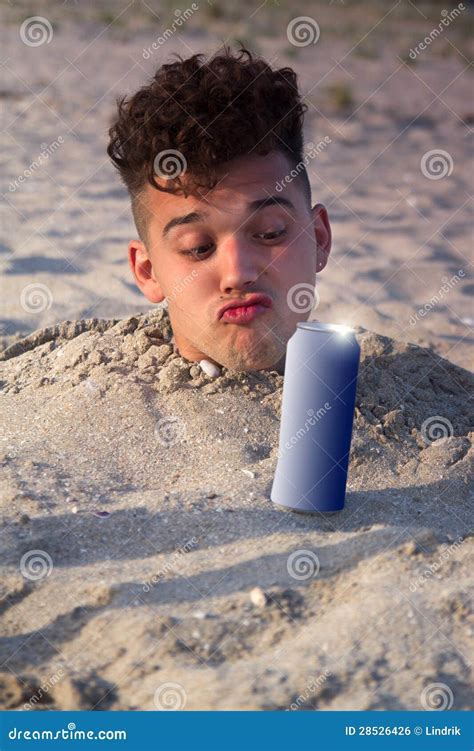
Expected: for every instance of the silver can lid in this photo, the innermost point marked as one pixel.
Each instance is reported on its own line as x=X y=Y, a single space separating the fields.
x=327 y=327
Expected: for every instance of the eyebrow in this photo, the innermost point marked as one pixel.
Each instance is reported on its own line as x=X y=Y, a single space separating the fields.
x=252 y=207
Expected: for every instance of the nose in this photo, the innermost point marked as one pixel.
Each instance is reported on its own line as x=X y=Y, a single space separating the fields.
x=239 y=265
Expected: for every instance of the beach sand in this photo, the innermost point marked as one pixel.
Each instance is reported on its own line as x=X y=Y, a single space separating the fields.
x=162 y=577
x=144 y=486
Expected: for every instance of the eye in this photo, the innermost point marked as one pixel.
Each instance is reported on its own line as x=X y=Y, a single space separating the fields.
x=199 y=251
x=272 y=235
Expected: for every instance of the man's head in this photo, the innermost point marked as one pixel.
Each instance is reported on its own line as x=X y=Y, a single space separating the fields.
x=203 y=150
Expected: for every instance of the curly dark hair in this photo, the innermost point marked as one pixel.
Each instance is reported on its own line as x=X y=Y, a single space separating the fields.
x=210 y=112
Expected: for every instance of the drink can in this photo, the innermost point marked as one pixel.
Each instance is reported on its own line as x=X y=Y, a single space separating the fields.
x=319 y=390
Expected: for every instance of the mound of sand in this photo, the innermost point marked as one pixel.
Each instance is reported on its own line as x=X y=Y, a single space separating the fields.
x=144 y=484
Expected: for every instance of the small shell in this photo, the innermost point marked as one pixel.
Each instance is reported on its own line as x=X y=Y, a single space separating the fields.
x=210 y=368
x=258 y=597
x=249 y=473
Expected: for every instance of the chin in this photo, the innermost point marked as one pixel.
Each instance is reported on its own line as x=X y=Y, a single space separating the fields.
x=246 y=363
x=266 y=354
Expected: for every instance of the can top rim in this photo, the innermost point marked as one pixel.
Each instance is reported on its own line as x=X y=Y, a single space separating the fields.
x=317 y=326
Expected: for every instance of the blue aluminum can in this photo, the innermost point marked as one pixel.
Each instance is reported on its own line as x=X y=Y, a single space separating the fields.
x=319 y=390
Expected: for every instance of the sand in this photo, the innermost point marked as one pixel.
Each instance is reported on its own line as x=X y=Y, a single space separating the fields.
x=163 y=567
x=163 y=578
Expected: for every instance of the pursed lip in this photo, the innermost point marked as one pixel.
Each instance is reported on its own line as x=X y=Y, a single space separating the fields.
x=243 y=303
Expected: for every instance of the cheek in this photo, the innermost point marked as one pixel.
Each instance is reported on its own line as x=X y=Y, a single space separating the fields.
x=199 y=283
x=196 y=289
x=296 y=263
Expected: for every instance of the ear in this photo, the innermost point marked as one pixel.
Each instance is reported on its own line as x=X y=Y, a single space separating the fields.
x=322 y=231
x=142 y=270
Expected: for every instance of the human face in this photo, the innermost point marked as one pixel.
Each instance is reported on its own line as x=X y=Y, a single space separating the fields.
x=224 y=244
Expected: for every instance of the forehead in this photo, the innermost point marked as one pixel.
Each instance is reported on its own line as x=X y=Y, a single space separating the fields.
x=241 y=181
